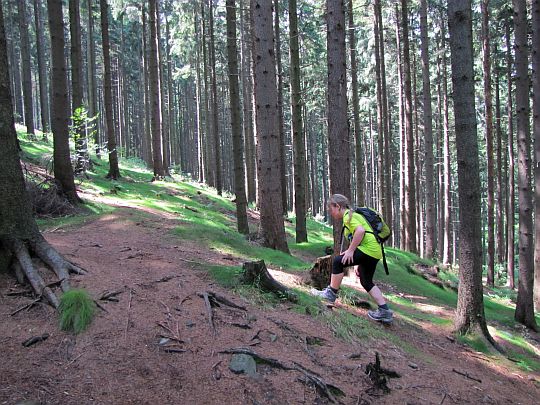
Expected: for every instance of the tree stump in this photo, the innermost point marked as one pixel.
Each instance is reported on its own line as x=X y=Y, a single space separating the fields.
x=321 y=271
x=257 y=274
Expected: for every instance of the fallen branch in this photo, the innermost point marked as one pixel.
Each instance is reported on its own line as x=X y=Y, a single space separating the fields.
x=464 y=374
x=325 y=388
x=35 y=339
x=27 y=306
x=128 y=312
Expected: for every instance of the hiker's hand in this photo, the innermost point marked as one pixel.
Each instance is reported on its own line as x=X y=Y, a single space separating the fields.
x=347 y=257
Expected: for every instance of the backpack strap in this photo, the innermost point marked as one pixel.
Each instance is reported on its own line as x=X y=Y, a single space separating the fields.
x=384 y=260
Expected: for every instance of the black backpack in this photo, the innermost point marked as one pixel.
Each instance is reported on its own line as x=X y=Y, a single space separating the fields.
x=380 y=229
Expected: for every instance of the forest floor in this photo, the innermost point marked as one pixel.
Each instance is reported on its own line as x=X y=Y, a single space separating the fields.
x=122 y=359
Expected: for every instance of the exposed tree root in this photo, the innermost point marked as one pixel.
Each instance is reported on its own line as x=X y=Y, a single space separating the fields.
x=24 y=267
x=323 y=387
x=257 y=274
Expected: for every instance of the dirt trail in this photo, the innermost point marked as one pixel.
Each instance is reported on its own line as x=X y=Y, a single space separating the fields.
x=119 y=360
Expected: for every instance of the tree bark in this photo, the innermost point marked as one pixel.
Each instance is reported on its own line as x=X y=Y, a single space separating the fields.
x=338 y=130
x=236 y=121
x=155 y=98
x=410 y=206
x=380 y=106
x=164 y=104
x=279 y=68
x=114 y=171
x=510 y=209
x=26 y=68
x=247 y=92
x=215 y=116
x=77 y=106
x=488 y=108
x=299 y=151
x=428 y=135
x=63 y=172
x=92 y=79
x=42 y=69
x=387 y=162
x=359 y=153
x=524 y=305
x=470 y=307
x=272 y=229
x=447 y=255
x=536 y=136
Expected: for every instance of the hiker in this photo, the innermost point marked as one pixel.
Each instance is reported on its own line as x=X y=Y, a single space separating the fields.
x=364 y=251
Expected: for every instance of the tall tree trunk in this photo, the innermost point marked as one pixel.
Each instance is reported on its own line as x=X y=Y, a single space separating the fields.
x=42 y=69
x=524 y=305
x=279 y=68
x=380 y=106
x=359 y=154
x=500 y=213
x=200 y=107
x=92 y=79
x=387 y=163
x=488 y=108
x=338 y=131
x=428 y=135
x=399 y=65
x=215 y=112
x=299 y=156
x=536 y=136
x=236 y=121
x=114 y=171
x=209 y=174
x=155 y=97
x=26 y=68
x=63 y=172
x=77 y=107
x=511 y=193
x=164 y=104
x=410 y=204
x=170 y=96
x=265 y=88
x=470 y=316
x=447 y=255
x=147 y=136
x=247 y=92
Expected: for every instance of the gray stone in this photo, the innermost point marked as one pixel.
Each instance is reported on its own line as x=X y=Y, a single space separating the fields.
x=243 y=363
x=413 y=366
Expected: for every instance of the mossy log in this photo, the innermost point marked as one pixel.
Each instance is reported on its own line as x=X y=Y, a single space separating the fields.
x=257 y=274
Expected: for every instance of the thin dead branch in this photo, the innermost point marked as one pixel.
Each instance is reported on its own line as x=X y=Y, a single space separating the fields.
x=209 y=313
x=467 y=375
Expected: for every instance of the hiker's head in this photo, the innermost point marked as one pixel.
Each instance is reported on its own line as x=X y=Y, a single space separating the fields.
x=337 y=205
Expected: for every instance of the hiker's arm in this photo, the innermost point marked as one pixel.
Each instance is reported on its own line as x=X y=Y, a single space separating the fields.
x=356 y=240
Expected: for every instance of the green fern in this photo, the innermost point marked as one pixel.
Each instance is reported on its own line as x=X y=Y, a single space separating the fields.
x=77 y=310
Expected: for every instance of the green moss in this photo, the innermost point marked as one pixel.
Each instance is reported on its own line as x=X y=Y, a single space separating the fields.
x=77 y=309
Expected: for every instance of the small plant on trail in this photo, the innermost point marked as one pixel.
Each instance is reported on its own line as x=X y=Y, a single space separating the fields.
x=77 y=310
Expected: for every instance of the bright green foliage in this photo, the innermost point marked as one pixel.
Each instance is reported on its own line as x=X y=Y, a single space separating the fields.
x=77 y=309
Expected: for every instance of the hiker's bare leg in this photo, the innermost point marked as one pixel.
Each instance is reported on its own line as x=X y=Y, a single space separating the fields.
x=376 y=294
x=335 y=280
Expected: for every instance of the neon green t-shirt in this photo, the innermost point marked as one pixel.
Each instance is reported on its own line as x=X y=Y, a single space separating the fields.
x=369 y=244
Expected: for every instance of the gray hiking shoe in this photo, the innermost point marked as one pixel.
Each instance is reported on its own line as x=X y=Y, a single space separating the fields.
x=381 y=315
x=326 y=294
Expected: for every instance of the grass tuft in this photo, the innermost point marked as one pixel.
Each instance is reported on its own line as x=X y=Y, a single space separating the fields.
x=77 y=309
